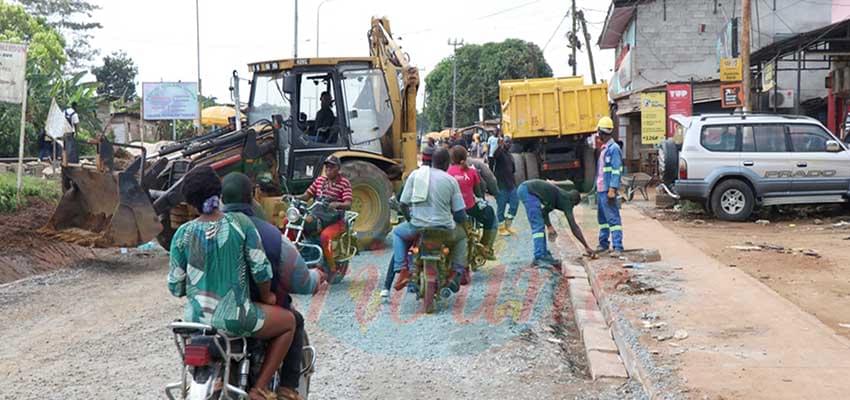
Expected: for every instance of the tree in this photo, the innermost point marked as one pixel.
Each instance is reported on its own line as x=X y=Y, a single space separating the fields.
x=116 y=76
x=45 y=58
x=73 y=19
x=479 y=69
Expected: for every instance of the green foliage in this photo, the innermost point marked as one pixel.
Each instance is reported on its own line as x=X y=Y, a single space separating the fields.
x=479 y=69
x=73 y=19
x=116 y=76
x=45 y=58
x=32 y=187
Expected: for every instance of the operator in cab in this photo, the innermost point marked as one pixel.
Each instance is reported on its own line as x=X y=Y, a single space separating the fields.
x=336 y=189
x=325 y=118
x=434 y=200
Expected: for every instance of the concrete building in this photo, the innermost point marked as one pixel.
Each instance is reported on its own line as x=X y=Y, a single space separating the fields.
x=657 y=42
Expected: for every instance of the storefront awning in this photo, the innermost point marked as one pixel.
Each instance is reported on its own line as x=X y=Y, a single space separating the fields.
x=620 y=13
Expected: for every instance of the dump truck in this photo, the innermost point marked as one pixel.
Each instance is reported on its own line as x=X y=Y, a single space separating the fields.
x=281 y=147
x=551 y=122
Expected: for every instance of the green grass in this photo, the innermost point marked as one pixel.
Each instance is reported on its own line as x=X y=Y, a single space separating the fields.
x=32 y=187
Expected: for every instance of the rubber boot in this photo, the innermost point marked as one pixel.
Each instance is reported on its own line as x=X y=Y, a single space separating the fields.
x=503 y=230
x=488 y=239
x=508 y=223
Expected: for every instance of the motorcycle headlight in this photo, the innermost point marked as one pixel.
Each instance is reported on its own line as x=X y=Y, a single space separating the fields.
x=293 y=215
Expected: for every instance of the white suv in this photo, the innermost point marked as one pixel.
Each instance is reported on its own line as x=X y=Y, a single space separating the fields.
x=735 y=162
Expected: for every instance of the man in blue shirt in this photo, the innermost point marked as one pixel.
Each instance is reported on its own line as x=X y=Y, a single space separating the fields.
x=610 y=168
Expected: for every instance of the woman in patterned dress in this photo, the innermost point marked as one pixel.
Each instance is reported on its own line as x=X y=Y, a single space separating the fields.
x=212 y=259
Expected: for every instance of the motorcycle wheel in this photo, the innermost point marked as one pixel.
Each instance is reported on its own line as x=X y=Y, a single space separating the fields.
x=428 y=279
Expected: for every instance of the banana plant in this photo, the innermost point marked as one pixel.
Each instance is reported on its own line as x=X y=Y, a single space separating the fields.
x=70 y=90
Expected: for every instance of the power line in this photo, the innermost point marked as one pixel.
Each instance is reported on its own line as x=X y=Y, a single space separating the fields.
x=493 y=14
x=555 y=31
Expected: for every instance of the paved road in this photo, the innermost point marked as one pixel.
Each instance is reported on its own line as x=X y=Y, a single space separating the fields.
x=97 y=331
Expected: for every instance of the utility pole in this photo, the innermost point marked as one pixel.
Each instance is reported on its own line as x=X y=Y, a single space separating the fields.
x=574 y=40
x=589 y=48
x=454 y=43
x=295 y=44
x=198 y=48
x=746 y=17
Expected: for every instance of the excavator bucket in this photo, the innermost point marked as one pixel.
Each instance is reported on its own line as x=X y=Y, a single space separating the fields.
x=104 y=208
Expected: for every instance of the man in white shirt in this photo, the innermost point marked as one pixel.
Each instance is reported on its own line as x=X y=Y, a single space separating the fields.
x=70 y=139
x=492 y=145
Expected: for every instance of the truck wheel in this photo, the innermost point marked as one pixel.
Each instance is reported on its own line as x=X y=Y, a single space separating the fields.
x=532 y=169
x=519 y=164
x=668 y=161
x=371 y=190
x=732 y=200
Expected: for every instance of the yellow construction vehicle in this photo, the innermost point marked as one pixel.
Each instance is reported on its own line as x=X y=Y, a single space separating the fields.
x=550 y=121
x=372 y=129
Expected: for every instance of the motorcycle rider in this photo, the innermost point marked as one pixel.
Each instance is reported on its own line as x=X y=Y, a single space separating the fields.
x=289 y=272
x=212 y=259
x=337 y=190
x=434 y=201
x=470 y=187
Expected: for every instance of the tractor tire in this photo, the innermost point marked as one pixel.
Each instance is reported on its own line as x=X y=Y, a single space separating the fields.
x=519 y=165
x=371 y=191
x=532 y=166
x=668 y=162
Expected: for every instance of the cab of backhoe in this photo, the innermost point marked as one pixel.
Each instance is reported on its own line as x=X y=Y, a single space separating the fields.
x=322 y=106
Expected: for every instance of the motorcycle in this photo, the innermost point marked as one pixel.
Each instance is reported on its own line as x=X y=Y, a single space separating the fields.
x=219 y=366
x=303 y=224
x=475 y=248
x=432 y=269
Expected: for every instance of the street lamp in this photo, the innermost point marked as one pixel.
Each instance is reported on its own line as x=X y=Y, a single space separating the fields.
x=319 y=9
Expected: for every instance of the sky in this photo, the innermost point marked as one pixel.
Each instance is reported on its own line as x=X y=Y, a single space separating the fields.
x=160 y=34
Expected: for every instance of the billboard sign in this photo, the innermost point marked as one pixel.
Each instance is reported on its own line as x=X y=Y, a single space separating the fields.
x=653 y=117
x=732 y=95
x=727 y=41
x=170 y=100
x=679 y=102
x=13 y=68
x=731 y=70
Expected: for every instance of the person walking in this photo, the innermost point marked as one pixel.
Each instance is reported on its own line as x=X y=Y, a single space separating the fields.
x=72 y=154
x=539 y=198
x=504 y=169
x=609 y=169
x=492 y=145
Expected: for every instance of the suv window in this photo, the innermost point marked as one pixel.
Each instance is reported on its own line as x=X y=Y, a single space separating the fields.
x=720 y=138
x=764 y=139
x=808 y=138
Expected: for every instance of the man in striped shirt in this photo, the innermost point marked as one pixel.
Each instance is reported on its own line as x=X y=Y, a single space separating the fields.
x=337 y=190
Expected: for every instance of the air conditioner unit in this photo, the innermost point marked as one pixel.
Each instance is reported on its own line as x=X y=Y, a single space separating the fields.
x=782 y=98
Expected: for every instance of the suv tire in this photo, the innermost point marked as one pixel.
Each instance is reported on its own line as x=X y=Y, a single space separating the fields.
x=668 y=161
x=732 y=200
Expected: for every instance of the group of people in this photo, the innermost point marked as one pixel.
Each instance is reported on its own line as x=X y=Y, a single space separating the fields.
x=237 y=270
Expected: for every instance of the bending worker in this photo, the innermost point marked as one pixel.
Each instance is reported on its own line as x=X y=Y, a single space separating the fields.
x=609 y=169
x=539 y=198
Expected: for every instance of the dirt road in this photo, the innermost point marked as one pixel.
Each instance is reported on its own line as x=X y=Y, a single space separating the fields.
x=97 y=332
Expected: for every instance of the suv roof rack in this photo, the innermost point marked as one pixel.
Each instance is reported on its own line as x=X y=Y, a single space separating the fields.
x=744 y=115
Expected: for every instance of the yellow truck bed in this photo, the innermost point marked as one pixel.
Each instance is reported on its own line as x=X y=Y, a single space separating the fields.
x=536 y=108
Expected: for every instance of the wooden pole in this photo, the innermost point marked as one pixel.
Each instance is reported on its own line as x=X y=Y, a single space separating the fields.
x=20 y=180
x=575 y=40
x=589 y=48
x=746 y=17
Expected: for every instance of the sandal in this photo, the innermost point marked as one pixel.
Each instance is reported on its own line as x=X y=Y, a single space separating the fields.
x=285 y=393
x=261 y=394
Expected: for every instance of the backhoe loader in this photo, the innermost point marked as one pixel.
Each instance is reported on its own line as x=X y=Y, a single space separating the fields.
x=281 y=147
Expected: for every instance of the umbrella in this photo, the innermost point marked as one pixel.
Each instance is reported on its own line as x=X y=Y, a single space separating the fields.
x=217 y=115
